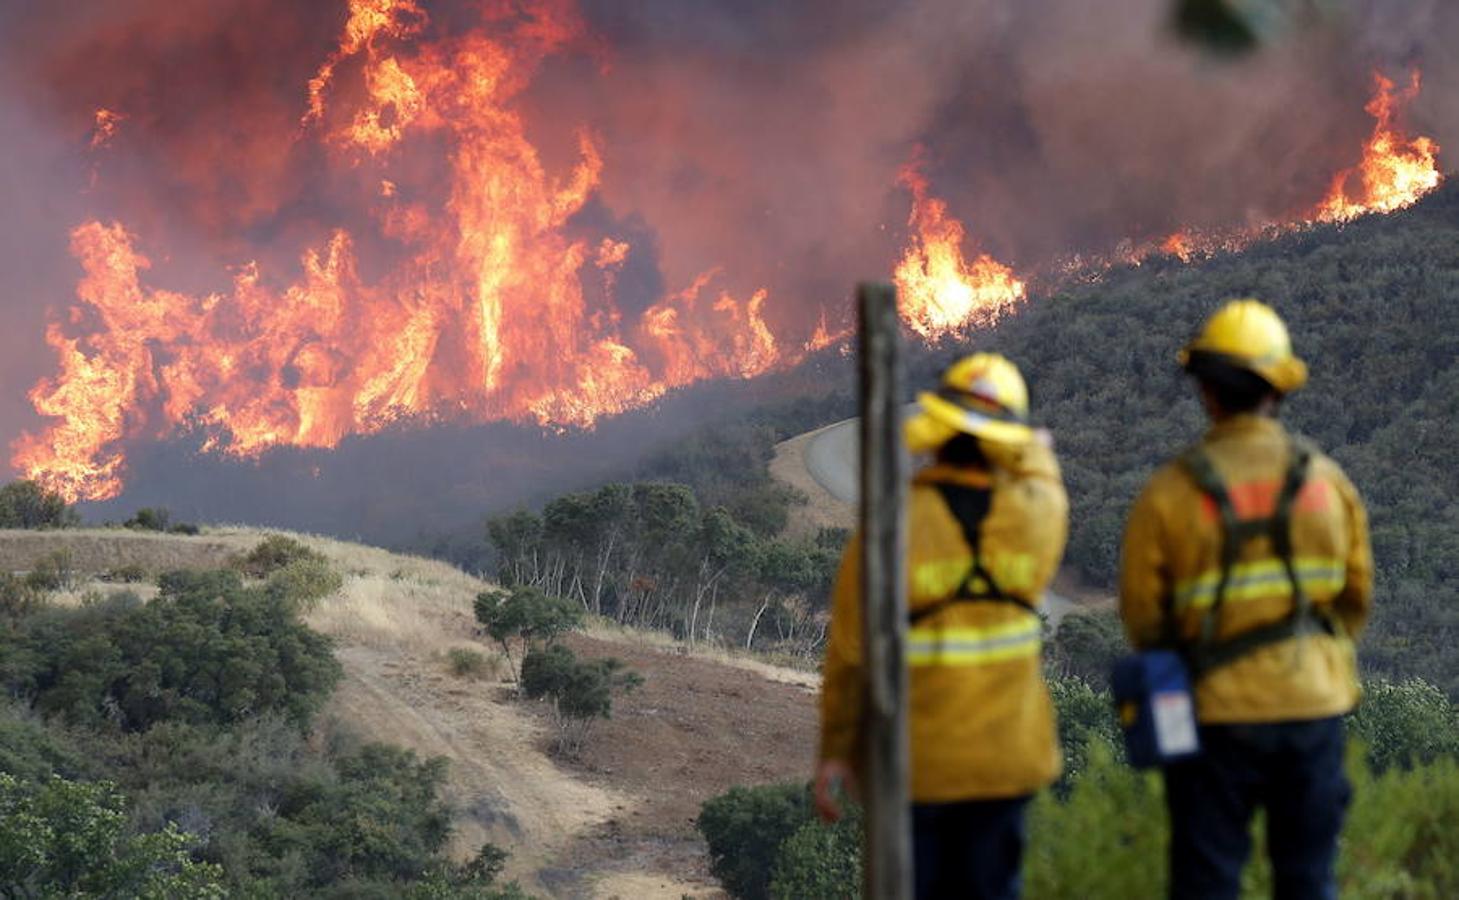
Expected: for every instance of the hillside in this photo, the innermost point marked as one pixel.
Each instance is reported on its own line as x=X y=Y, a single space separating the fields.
x=1372 y=309
x=1371 y=306
x=616 y=822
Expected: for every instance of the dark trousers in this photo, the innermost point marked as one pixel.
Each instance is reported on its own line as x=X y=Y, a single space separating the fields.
x=971 y=850
x=1292 y=769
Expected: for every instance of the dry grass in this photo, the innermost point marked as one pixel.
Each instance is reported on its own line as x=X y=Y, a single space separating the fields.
x=784 y=669
x=98 y=550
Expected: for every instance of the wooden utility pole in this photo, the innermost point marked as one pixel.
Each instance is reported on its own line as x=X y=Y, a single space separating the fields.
x=887 y=855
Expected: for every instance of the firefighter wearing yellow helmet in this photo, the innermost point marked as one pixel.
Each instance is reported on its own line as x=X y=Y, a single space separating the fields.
x=987 y=520
x=1248 y=554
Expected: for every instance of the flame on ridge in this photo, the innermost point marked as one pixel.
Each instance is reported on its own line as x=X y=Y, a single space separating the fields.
x=484 y=316
x=1395 y=172
x=938 y=288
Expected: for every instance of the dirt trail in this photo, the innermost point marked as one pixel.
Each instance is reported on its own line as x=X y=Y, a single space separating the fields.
x=502 y=789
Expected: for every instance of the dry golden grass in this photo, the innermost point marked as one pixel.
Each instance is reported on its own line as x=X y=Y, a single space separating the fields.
x=99 y=550
x=798 y=671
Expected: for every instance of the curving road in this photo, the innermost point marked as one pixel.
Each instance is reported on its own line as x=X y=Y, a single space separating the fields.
x=832 y=457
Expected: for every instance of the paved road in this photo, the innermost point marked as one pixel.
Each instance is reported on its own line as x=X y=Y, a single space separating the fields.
x=832 y=459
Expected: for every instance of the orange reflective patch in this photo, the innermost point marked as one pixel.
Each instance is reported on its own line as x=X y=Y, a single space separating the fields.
x=1258 y=499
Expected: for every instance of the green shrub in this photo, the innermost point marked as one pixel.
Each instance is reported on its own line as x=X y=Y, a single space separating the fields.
x=1106 y=840
x=18 y=597
x=1404 y=723
x=131 y=573
x=208 y=650
x=379 y=817
x=466 y=663
x=820 y=861
x=305 y=582
x=1087 y=644
x=185 y=528
x=581 y=691
x=274 y=553
x=745 y=829
x=68 y=839
x=527 y=615
x=31 y=752
x=55 y=571
x=149 y=519
x=1086 y=720
x=25 y=504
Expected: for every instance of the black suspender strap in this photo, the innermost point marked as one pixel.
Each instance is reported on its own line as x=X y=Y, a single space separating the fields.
x=969 y=506
x=1208 y=653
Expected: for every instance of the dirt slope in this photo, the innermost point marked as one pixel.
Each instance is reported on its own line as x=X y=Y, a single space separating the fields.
x=616 y=823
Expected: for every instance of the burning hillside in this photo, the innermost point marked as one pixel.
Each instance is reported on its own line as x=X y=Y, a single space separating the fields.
x=409 y=224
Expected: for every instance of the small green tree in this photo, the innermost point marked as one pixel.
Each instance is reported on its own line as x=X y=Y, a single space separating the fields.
x=66 y=839
x=305 y=581
x=581 y=691
x=25 y=504
x=527 y=615
x=274 y=553
x=149 y=518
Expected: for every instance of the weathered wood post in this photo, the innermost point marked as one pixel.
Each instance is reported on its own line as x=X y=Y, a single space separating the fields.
x=887 y=855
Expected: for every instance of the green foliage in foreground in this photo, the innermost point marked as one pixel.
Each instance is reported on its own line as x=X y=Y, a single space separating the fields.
x=745 y=829
x=62 y=839
x=1102 y=831
x=1105 y=841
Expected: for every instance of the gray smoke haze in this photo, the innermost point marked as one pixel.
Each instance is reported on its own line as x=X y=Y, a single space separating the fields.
x=760 y=136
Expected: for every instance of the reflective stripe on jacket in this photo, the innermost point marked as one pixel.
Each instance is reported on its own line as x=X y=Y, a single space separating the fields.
x=980 y=716
x=1171 y=562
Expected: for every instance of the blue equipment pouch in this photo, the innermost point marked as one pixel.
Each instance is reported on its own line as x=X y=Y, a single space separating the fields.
x=1152 y=691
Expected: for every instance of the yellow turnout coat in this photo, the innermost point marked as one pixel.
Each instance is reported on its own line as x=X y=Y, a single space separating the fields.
x=1171 y=562
x=981 y=720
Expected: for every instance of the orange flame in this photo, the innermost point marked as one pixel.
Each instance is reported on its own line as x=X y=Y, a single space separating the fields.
x=1395 y=172
x=484 y=316
x=481 y=311
x=939 y=290
x=107 y=121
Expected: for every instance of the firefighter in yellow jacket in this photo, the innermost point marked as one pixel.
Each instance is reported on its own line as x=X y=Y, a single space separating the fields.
x=987 y=520
x=1249 y=554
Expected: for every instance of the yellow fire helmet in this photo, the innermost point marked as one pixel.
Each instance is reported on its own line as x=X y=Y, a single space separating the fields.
x=1247 y=334
x=982 y=395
